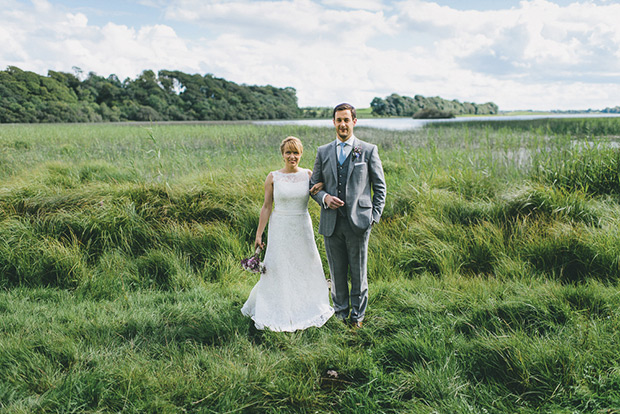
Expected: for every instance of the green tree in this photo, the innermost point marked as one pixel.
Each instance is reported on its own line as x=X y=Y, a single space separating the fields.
x=397 y=105
x=168 y=95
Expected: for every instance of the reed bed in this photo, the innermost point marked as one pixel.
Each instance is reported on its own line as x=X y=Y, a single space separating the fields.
x=493 y=273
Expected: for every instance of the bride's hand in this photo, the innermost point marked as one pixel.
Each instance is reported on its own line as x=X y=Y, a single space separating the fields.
x=258 y=242
x=316 y=188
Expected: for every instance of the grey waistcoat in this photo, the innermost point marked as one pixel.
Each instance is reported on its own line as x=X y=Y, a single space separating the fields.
x=343 y=171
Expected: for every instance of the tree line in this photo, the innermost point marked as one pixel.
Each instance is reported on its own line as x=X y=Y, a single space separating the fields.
x=27 y=97
x=420 y=106
x=166 y=96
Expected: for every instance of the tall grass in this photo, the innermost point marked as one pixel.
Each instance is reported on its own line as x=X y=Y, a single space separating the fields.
x=493 y=273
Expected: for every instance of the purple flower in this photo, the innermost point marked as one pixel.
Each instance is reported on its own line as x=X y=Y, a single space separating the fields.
x=357 y=151
x=253 y=263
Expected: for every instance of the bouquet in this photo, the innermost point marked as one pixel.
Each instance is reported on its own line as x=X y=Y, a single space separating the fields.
x=253 y=263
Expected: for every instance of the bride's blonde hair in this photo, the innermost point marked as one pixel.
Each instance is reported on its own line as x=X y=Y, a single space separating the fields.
x=293 y=143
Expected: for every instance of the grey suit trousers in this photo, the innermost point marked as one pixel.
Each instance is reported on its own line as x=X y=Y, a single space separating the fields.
x=347 y=255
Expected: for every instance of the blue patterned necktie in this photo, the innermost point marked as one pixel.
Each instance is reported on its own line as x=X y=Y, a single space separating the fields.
x=342 y=156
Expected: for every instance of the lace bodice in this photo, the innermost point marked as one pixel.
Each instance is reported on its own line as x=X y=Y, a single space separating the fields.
x=291 y=192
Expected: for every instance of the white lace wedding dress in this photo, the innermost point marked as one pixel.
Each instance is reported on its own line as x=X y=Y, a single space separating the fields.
x=292 y=294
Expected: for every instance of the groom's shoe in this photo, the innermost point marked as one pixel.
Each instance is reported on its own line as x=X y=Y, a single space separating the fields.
x=356 y=324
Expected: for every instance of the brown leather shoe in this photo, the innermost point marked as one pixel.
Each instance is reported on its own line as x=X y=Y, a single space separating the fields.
x=356 y=325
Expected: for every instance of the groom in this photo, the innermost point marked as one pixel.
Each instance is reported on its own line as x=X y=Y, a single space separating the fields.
x=349 y=168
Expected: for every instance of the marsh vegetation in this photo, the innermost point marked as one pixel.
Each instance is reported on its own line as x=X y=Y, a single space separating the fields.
x=493 y=273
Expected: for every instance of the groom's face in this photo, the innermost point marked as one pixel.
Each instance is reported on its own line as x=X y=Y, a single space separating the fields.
x=344 y=123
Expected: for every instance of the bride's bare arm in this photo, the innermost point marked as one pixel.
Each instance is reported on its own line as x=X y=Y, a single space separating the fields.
x=265 y=212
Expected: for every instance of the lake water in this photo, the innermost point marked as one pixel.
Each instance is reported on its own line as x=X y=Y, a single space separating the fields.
x=403 y=124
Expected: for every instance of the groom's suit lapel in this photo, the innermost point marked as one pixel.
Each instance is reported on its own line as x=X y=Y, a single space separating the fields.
x=333 y=156
x=356 y=143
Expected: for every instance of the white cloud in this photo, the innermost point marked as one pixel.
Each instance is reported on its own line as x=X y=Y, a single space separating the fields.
x=536 y=55
x=302 y=20
x=370 y=5
x=526 y=55
x=60 y=41
x=262 y=18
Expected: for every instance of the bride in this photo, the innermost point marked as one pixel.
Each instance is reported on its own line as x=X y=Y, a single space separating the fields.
x=292 y=293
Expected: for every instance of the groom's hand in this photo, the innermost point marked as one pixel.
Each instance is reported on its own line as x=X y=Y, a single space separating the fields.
x=333 y=202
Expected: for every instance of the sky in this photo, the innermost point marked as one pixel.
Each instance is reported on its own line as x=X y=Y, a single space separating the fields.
x=528 y=54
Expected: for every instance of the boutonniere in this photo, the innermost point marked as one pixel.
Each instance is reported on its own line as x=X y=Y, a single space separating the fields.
x=357 y=151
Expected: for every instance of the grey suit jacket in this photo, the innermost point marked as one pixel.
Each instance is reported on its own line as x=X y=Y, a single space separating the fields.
x=364 y=206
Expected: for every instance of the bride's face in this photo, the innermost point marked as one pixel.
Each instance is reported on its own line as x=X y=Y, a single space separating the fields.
x=291 y=156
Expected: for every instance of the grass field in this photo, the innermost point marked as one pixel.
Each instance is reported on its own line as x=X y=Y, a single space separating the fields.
x=493 y=273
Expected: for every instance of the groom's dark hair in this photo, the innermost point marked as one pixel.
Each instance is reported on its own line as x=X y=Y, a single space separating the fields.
x=344 y=107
